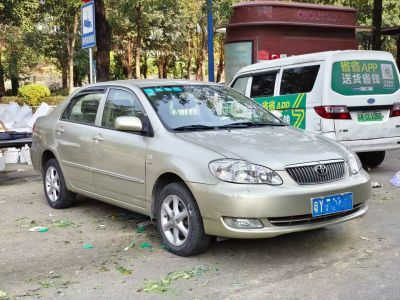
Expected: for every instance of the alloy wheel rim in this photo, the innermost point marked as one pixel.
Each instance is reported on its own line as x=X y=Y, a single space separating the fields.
x=52 y=184
x=175 y=220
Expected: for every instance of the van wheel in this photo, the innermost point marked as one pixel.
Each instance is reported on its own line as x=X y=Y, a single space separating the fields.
x=371 y=159
x=179 y=221
x=55 y=188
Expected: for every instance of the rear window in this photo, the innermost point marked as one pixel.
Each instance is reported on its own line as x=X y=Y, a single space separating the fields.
x=298 y=80
x=364 y=77
x=263 y=85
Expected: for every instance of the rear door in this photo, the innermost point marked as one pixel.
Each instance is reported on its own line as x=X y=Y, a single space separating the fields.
x=73 y=138
x=368 y=85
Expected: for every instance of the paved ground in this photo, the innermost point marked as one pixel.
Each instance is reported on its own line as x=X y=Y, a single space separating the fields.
x=356 y=260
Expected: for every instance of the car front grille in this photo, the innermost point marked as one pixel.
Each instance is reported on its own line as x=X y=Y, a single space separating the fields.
x=308 y=173
x=308 y=219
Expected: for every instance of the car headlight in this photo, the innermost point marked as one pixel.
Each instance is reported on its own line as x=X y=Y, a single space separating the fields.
x=240 y=171
x=354 y=162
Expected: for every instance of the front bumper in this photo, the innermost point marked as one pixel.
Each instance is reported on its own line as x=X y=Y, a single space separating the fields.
x=381 y=144
x=265 y=202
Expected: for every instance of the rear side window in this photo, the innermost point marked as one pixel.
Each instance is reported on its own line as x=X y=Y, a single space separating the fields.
x=241 y=84
x=263 y=85
x=83 y=109
x=120 y=103
x=298 y=80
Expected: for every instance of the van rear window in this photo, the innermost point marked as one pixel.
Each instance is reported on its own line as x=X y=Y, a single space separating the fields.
x=364 y=77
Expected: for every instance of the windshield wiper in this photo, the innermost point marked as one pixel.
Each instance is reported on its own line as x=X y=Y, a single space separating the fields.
x=250 y=124
x=193 y=127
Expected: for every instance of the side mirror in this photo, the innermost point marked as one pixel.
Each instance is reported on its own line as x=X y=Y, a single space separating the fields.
x=128 y=124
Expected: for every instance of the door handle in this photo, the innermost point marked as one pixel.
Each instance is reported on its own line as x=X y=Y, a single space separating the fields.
x=60 y=130
x=98 y=138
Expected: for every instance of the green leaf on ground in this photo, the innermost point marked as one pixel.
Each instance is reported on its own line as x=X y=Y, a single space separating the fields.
x=123 y=270
x=145 y=245
x=161 y=286
x=140 y=229
x=63 y=223
x=87 y=246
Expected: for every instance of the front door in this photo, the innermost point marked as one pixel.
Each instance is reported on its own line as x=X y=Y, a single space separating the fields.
x=73 y=138
x=119 y=157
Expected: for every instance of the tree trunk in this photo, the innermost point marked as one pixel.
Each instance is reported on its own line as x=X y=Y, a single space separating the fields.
x=14 y=75
x=377 y=25
x=103 y=41
x=220 y=67
x=2 y=84
x=189 y=59
x=145 y=66
x=138 y=51
x=71 y=50
x=165 y=67
x=129 y=59
x=64 y=77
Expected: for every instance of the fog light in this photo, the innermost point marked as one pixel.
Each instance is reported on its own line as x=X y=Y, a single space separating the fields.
x=243 y=223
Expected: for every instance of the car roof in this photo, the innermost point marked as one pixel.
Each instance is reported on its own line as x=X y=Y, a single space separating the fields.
x=311 y=57
x=149 y=83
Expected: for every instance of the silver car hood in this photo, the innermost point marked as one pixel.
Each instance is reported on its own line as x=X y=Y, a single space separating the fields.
x=273 y=147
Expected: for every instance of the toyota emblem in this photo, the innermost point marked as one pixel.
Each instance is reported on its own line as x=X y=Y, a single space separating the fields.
x=321 y=170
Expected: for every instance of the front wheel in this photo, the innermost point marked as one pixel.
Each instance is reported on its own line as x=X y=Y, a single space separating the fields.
x=55 y=189
x=179 y=221
x=371 y=159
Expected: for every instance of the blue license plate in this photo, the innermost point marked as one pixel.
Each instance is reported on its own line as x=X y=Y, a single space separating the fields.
x=331 y=204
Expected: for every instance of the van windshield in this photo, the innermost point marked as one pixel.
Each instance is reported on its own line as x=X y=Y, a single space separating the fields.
x=207 y=107
x=364 y=77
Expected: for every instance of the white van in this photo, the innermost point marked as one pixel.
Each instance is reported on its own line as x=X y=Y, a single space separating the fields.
x=350 y=96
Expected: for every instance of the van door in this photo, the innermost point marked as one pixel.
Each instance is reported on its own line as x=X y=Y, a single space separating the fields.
x=365 y=90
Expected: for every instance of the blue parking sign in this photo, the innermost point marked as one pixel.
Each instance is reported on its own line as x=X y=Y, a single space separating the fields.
x=88 y=25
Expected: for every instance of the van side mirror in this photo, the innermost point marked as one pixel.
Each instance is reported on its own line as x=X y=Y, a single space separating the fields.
x=133 y=124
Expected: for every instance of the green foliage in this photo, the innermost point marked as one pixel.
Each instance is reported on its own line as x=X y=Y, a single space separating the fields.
x=34 y=93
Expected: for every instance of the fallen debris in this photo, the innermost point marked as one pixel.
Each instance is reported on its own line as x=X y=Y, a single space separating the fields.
x=87 y=246
x=131 y=245
x=123 y=270
x=364 y=238
x=161 y=286
x=63 y=223
x=145 y=245
x=38 y=229
x=396 y=180
x=3 y=295
x=140 y=229
x=376 y=185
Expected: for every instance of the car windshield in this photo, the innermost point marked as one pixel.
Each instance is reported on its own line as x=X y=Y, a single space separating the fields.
x=207 y=107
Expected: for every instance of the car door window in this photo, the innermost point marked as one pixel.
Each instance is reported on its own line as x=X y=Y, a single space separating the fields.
x=120 y=103
x=263 y=85
x=241 y=84
x=298 y=80
x=83 y=109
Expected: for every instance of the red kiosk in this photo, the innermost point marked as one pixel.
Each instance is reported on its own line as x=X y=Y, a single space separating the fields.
x=263 y=30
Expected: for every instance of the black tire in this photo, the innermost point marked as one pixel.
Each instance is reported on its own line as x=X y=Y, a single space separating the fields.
x=65 y=197
x=196 y=241
x=371 y=159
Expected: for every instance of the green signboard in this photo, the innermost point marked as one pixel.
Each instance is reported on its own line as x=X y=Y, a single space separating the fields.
x=364 y=77
x=292 y=108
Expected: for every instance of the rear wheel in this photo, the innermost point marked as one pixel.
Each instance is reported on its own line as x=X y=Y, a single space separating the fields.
x=55 y=189
x=179 y=221
x=371 y=159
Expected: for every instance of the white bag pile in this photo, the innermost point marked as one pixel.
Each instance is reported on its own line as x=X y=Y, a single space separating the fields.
x=19 y=119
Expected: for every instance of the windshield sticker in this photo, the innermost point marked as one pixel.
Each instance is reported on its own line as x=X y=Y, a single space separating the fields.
x=149 y=92
x=290 y=108
x=167 y=89
x=157 y=90
x=364 y=77
x=176 y=89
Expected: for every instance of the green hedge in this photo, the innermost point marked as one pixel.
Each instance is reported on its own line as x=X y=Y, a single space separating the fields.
x=52 y=100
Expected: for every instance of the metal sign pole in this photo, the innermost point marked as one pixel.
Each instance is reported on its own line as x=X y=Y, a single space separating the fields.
x=90 y=65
